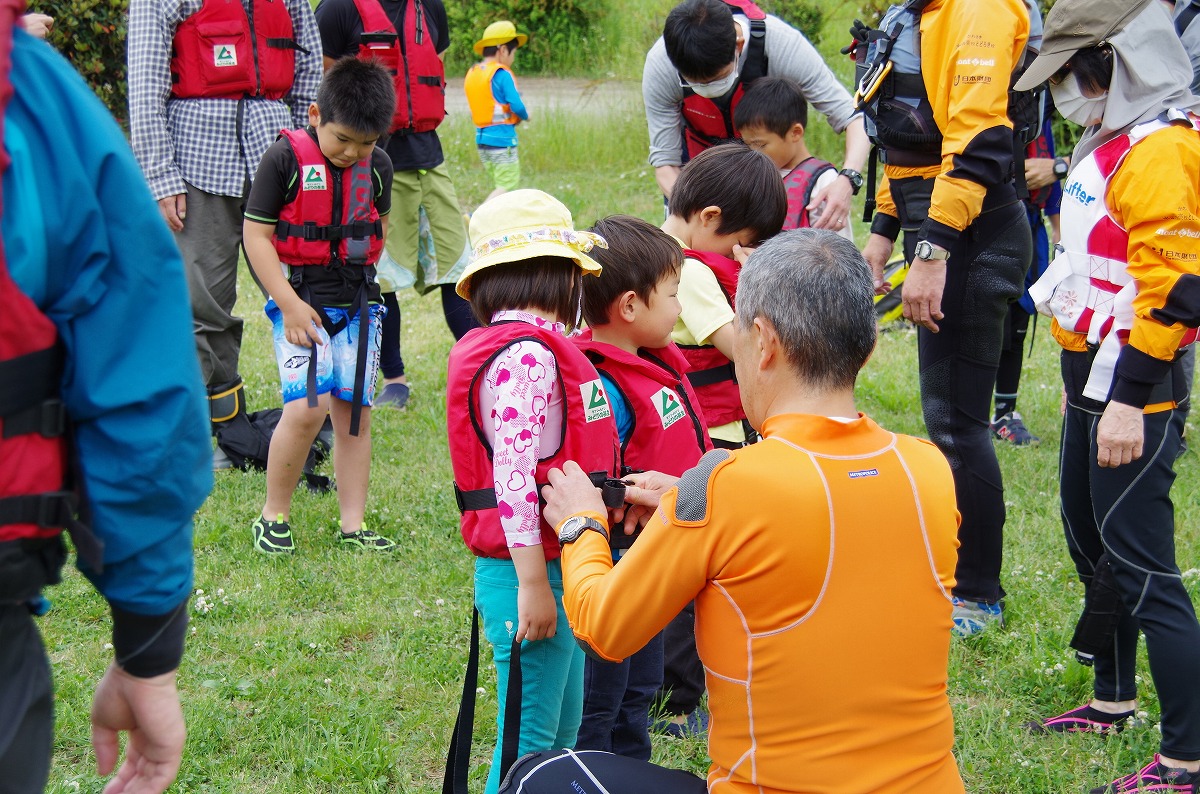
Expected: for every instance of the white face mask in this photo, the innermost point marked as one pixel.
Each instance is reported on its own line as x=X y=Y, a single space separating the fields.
x=1073 y=105
x=717 y=88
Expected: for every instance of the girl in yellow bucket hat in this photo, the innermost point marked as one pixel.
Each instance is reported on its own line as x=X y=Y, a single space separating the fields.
x=521 y=398
x=496 y=106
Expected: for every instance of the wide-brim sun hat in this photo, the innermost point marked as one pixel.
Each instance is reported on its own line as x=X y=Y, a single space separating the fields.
x=1073 y=25
x=498 y=33
x=522 y=224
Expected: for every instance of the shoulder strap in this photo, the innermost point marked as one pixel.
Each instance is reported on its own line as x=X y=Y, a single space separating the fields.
x=1186 y=18
x=374 y=18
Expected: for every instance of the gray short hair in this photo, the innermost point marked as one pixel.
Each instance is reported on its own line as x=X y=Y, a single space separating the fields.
x=817 y=291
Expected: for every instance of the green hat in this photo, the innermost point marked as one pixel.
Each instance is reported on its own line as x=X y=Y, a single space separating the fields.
x=498 y=33
x=1073 y=25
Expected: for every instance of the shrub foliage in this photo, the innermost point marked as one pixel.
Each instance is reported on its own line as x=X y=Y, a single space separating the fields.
x=559 y=30
x=91 y=35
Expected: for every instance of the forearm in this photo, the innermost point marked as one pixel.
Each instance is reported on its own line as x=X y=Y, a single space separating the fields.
x=149 y=645
x=264 y=261
x=665 y=176
x=858 y=145
x=662 y=98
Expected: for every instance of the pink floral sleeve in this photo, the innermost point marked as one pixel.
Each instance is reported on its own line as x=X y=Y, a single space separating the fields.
x=523 y=381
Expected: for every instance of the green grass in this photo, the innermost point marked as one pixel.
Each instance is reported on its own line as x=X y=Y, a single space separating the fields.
x=336 y=671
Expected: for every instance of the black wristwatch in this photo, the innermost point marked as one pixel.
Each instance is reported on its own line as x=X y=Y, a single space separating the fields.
x=1061 y=167
x=856 y=179
x=573 y=527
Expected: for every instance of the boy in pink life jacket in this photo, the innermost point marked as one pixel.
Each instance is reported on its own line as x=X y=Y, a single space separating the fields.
x=726 y=199
x=315 y=223
x=631 y=310
x=771 y=118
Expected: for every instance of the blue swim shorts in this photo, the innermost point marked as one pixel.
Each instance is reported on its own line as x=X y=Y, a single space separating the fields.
x=337 y=358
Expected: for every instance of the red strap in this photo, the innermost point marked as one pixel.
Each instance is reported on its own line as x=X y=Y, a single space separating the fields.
x=374 y=18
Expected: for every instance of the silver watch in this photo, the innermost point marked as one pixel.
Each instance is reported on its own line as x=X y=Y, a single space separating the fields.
x=573 y=527
x=927 y=250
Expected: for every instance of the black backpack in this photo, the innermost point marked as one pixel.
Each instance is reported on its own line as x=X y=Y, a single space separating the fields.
x=246 y=439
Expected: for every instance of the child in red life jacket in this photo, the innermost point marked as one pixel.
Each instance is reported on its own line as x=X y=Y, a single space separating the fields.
x=496 y=107
x=771 y=118
x=521 y=399
x=314 y=228
x=631 y=310
x=726 y=199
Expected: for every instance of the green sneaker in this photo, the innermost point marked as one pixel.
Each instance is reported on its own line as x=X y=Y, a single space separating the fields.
x=365 y=539
x=272 y=537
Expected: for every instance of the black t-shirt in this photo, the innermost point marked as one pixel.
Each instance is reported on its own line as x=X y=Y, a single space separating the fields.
x=341 y=28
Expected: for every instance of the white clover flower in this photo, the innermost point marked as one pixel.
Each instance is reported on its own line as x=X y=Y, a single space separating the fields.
x=440 y=602
x=108 y=646
x=328 y=681
x=312 y=645
x=199 y=592
x=416 y=613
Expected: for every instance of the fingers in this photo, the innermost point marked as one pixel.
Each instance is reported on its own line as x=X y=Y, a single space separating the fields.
x=104 y=743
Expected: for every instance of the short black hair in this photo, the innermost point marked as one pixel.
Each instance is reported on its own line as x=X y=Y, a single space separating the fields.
x=359 y=95
x=488 y=52
x=638 y=257
x=744 y=183
x=1092 y=67
x=772 y=103
x=700 y=38
x=552 y=284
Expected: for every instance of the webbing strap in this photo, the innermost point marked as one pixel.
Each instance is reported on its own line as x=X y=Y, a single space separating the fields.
x=1185 y=19
x=313 y=232
x=485 y=498
x=28 y=381
x=707 y=377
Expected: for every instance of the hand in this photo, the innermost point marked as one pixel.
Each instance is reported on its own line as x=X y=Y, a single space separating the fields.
x=301 y=323
x=148 y=709
x=570 y=493
x=174 y=210
x=1039 y=172
x=742 y=252
x=877 y=252
x=642 y=498
x=1119 y=435
x=537 y=614
x=836 y=213
x=38 y=25
x=923 y=292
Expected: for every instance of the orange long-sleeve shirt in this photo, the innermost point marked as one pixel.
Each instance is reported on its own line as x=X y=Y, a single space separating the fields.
x=969 y=49
x=781 y=544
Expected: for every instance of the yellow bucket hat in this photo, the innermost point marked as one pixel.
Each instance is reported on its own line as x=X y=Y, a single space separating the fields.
x=522 y=224
x=498 y=33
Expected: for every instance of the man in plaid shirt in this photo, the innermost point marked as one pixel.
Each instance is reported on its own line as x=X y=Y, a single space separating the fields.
x=200 y=150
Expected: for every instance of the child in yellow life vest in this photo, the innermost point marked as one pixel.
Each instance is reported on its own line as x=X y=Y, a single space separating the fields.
x=496 y=107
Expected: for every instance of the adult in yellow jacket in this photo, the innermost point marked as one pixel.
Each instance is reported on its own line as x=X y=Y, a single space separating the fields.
x=969 y=243
x=1124 y=291
x=780 y=544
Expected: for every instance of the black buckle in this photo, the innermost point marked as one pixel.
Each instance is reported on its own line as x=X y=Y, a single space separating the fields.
x=55 y=510
x=458 y=499
x=53 y=420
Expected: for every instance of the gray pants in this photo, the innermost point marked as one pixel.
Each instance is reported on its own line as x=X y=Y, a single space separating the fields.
x=26 y=704
x=210 y=243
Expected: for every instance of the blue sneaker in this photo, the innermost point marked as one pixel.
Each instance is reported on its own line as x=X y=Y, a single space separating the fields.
x=696 y=726
x=973 y=617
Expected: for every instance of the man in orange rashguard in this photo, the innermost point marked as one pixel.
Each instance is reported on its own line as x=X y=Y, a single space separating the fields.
x=780 y=544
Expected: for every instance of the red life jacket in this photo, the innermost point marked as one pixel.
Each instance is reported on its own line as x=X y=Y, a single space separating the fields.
x=221 y=52
x=668 y=427
x=417 y=71
x=799 y=184
x=35 y=500
x=709 y=371
x=307 y=233
x=589 y=432
x=709 y=122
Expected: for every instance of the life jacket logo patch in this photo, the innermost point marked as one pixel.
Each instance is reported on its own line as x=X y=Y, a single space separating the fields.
x=224 y=55
x=595 y=401
x=670 y=410
x=314 y=178
x=856 y=475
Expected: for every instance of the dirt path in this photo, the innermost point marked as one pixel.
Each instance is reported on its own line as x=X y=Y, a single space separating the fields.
x=585 y=96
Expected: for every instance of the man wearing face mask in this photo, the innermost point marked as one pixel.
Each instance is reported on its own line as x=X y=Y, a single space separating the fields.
x=1124 y=292
x=695 y=74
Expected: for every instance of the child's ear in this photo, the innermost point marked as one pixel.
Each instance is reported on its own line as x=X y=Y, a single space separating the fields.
x=626 y=306
x=710 y=216
x=314 y=115
x=796 y=133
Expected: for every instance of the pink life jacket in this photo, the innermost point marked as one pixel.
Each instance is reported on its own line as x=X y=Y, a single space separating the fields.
x=799 y=184
x=709 y=122
x=589 y=434
x=220 y=52
x=417 y=71
x=709 y=371
x=668 y=427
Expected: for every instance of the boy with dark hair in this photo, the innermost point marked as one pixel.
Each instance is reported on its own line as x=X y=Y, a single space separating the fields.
x=727 y=198
x=496 y=107
x=315 y=223
x=631 y=310
x=771 y=118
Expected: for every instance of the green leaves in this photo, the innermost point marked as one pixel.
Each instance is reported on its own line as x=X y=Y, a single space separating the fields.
x=91 y=35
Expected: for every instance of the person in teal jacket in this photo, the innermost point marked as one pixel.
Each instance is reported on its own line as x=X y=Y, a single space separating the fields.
x=83 y=238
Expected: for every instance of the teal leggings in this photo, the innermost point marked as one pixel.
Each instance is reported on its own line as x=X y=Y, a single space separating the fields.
x=551 y=669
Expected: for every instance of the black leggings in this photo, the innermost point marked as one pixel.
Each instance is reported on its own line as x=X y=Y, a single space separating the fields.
x=1127 y=512
x=459 y=319
x=985 y=272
